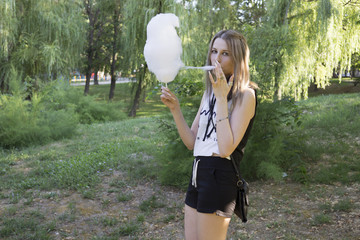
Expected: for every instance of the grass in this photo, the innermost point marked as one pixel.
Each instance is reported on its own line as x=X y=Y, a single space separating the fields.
x=321 y=219
x=150 y=105
x=150 y=204
x=27 y=225
x=346 y=86
x=331 y=127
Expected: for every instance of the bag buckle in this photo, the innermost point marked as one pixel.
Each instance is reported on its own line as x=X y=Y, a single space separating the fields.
x=239 y=183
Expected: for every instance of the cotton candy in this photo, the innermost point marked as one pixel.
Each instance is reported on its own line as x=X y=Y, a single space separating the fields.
x=163 y=48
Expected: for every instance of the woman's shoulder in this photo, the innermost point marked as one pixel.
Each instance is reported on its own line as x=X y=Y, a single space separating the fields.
x=247 y=98
x=248 y=94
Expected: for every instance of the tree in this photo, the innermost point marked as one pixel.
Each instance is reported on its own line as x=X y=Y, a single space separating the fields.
x=315 y=37
x=199 y=20
x=93 y=14
x=355 y=63
x=115 y=24
x=134 y=38
x=250 y=12
x=39 y=39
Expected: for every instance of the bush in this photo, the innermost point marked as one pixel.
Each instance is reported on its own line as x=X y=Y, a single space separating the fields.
x=175 y=159
x=60 y=95
x=50 y=114
x=272 y=145
x=24 y=123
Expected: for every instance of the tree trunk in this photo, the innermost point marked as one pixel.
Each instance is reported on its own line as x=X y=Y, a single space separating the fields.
x=135 y=105
x=143 y=96
x=96 y=81
x=340 y=73
x=287 y=12
x=87 y=83
x=334 y=73
x=93 y=17
x=277 y=90
x=352 y=73
x=315 y=85
x=114 y=50
x=2 y=86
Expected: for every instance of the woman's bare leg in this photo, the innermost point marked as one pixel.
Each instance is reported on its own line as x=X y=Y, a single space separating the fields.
x=204 y=226
x=211 y=226
x=190 y=223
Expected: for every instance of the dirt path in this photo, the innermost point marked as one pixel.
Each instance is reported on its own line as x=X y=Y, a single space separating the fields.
x=118 y=210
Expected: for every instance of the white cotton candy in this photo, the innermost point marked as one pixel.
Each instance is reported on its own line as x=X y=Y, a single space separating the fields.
x=163 y=49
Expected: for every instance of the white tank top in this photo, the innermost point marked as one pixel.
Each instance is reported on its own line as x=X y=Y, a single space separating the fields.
x=206 y=140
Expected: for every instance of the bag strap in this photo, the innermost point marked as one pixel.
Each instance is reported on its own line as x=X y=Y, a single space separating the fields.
x=240 y=181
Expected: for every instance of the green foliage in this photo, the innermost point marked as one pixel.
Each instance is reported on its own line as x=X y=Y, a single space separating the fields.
x=60 y=95
x=302 y=42
x=175 y=159
x=272 y=145
x=25 y=122
x=40 y=38
x=271 y=150
x=52 y=113
x=189 y=83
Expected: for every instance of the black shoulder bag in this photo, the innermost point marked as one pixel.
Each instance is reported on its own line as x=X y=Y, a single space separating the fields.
x=242 y=200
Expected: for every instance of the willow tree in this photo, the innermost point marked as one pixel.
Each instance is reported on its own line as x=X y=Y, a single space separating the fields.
x=8 y=28
x=200 y=20
x=134 y=38
x=39 y=39
x=313 y=38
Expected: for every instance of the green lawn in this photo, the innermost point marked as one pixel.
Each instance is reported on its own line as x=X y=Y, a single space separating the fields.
x=149 y=106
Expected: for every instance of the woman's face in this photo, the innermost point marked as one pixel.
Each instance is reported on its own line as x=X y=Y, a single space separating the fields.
x=222 y=54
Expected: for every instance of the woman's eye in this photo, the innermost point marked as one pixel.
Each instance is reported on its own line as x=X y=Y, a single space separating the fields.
x=225 y=54
x=213 y=51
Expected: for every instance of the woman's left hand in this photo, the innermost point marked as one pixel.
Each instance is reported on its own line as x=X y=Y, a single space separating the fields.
x=221 y=87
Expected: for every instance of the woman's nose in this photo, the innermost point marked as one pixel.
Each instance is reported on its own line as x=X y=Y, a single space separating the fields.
x=218 y=58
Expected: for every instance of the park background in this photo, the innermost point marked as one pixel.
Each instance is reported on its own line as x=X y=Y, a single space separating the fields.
x=105 y=161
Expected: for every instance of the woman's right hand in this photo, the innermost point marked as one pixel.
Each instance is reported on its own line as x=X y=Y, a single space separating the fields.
x=169 y=99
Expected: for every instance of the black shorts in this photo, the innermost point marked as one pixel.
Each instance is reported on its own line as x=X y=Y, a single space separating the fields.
x=214 y=190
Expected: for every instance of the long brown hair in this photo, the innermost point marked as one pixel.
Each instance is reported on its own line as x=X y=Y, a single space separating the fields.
x=240 y=54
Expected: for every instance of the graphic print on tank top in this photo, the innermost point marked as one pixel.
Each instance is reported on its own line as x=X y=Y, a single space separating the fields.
x=211 y=116
x=206 y=143
x=206 y=139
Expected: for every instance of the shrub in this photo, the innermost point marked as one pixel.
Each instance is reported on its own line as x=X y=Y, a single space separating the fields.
x=24 y=122
x=175 y=159
x=272 y=145
x=60 y=95
x=50 y=114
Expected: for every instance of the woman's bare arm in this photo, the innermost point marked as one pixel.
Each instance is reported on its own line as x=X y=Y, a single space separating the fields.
x=230 y=131
x=188 y=135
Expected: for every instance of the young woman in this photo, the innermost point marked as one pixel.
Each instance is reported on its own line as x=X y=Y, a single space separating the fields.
x=222 y=122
